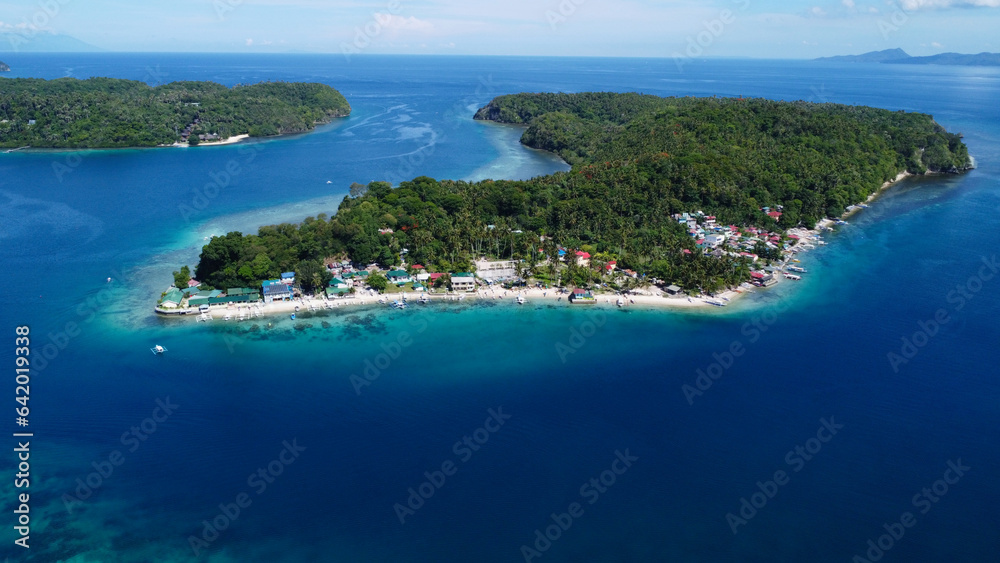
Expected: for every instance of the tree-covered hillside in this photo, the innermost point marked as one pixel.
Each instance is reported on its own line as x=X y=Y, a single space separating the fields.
x=814 y=159
x=108 y=112
x=637 y=160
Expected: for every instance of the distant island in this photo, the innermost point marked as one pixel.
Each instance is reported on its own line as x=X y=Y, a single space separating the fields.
x=112 y=113
x=899 y=56
x=697 y=193
x=4 y=67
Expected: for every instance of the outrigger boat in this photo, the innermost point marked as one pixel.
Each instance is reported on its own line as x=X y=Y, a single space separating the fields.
x=521 y=300
x=157 y=350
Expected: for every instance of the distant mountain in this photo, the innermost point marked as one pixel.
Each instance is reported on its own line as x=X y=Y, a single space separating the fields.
x=42 y=42
x=4 y=67
x=980 y=59
x=887 y=56
x=898 y=56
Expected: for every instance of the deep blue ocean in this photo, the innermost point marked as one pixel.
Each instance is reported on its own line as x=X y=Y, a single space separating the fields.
x=809 y=444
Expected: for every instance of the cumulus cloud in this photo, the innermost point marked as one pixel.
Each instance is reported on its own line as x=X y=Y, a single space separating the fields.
x=913 y=5
x=848 y=3
x=399 y=23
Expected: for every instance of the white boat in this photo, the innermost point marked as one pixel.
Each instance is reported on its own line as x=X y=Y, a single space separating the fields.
x=157 y=350
x=424 y=298
x=620 y=302
x=792 y=276
x=521 y=300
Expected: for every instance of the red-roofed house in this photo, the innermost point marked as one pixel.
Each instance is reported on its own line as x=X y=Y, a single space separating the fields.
x=776 y=215
x=583 y=258
x=612 y=266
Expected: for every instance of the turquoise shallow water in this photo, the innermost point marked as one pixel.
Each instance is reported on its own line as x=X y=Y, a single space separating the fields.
x=242 y=392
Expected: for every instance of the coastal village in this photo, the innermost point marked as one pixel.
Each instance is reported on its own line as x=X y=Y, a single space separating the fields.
x=357 y=284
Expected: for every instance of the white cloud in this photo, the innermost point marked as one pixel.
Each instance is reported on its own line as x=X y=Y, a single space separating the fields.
x=817 y=11
x=249 y=42
x=913 y=5
x=397 y=23
x=848 y=3
x=936 y=44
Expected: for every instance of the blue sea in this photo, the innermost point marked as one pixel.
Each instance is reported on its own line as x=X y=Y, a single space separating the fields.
x=852 y=416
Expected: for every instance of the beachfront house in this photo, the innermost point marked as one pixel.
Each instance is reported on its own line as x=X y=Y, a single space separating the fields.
x=288 y=278
x=339 y=283
x=673 y=290
x=580 y=295
x=496 y=270
x=338 y=292
x=172 y=299
x=399 y=277
x=276 y=290
x=463 y=281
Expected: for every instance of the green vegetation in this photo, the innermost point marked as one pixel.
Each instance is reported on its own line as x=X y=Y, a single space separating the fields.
x=637 y=160
x=181 y=277
x=108 y=112
x=4 y=67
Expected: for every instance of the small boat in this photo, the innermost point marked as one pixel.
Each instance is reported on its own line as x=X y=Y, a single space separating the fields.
x=157 y=350
x=521 y=300
x=293 y=316
x=797 y=269
x=424 y=298
x=620 y=302
x=792 y=276
x=715 y=302
x=329 y=181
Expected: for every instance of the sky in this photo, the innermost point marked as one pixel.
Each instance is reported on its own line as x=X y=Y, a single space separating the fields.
x=638 y=28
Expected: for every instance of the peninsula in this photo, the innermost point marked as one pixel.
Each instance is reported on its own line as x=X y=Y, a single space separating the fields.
x=694 y=194
x=68 y=113
x=899 y=56
x=4 y=67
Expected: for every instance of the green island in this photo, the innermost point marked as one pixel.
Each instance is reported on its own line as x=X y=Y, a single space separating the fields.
x=4 y=67
x=67 y=113
x=652 y=179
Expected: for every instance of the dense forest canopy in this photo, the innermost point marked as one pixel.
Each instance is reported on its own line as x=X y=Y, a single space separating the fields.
x=109 y=112
x=637 y=160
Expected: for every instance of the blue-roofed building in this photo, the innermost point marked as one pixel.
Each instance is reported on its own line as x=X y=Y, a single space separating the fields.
x=276 y=290
x=288 y=278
